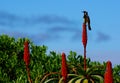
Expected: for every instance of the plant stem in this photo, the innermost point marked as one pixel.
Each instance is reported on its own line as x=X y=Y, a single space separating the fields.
x=85 y=58
x=51 y=73
x=28 y=73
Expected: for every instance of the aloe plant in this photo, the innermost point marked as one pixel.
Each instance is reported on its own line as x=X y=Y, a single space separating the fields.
x=12 y=67
x=87 y=76
x=90 y=75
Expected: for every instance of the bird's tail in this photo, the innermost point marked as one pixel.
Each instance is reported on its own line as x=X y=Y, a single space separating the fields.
x=89 y=27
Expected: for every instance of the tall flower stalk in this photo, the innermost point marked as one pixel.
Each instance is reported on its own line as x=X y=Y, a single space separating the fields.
x=108 y=77
x=84 y=34
x=84 y=41
x=64 y=68
x=27 y=59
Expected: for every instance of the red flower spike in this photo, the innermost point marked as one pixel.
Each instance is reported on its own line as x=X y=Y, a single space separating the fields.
x=26 y=53
x=108 y=77
x=64 y=68
x=84 y=35
x=84 y=41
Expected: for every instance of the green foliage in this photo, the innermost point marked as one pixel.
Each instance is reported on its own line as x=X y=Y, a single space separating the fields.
x=116 y=74
x=43 y=66
x=76 y=62
x=8 y=58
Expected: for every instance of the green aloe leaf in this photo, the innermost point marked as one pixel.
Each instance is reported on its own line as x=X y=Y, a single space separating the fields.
x=51 y=80
x=98 y=77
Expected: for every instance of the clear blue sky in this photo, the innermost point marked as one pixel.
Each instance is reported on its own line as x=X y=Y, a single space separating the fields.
x=58 y=25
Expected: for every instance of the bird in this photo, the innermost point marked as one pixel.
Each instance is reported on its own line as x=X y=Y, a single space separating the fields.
x=86 y=19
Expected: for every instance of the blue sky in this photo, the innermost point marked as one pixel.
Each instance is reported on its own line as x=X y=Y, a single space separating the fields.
x=58 y=25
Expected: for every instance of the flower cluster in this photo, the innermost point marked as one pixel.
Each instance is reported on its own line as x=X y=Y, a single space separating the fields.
x=108 y=78
x=64 y=68
x=26 y=53
x=84 y=35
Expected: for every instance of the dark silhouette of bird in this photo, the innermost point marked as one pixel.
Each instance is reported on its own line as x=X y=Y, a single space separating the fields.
x=86 y=19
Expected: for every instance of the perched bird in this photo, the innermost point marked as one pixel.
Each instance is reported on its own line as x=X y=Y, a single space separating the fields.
x=86 y=19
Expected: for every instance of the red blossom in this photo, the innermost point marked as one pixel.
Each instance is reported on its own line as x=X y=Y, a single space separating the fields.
x=64 y=68
x=84 y=35
x=84 y=41
x=26 y=53
x=108 y=77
